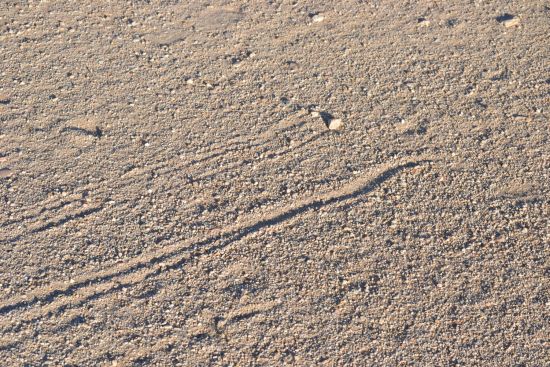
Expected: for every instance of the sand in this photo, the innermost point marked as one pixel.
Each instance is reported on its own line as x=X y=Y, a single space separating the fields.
x=268 y=183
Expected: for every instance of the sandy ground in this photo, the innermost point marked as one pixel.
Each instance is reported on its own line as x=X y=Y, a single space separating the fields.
x=171 y=194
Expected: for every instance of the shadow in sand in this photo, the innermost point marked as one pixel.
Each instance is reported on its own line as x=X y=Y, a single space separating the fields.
x=326 y=117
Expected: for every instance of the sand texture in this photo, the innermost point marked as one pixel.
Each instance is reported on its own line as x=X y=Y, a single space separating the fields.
x=275 y=182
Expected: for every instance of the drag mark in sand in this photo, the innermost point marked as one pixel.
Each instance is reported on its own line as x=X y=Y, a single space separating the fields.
x=61 y=296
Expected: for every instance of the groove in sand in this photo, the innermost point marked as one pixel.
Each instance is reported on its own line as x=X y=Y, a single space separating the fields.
x=137 y=269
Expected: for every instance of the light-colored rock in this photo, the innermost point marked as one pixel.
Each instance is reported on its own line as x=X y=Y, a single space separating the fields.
x=336 y=124
x=4 y=98
x=317 y=18
x=511 y=22
x=508 y=20
x=5 y=172
x=423 y=23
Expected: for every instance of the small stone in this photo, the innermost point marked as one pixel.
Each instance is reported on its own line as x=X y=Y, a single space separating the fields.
x=511 y=23
x=330 y=122
x=508 y=20
x=317 y=18
x=4 y=99
x=5 y=172
x=423 y=22
x=335 y=124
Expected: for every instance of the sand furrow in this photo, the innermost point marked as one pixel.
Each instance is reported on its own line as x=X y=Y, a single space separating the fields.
x=61 y=294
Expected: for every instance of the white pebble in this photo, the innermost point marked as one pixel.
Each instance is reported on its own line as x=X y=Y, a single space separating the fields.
x=318 y=18
x=335 y=124
x=511 y=22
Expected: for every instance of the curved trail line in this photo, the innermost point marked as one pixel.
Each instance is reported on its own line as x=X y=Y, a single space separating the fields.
x=90 y=286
